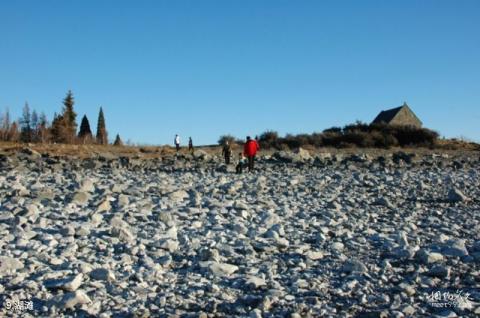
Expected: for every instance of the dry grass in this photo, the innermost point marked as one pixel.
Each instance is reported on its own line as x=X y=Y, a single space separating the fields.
x=452 y=147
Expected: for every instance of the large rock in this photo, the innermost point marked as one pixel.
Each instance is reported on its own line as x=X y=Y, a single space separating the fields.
x=69 y=284
x=87 y=186
x=455 y=248
x=121 y=229
x=178 y=196
x=9 y=265
x=440 y=271
x=302 y=154
x=102 y=274
x=455 y=195
x=80 y=198
x=219 y=269
x=104 y=206
x=354 y=266
x=201 y=155
x=299 y=156
x=427 y=257
x=73 y=299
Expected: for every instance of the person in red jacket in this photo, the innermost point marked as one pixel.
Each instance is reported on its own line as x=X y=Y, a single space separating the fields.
x=250 y=151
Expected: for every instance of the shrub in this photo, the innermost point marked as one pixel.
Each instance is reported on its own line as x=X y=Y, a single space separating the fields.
x=269 y=139
x=333 y=130
x=223 y=139
x=354 y=135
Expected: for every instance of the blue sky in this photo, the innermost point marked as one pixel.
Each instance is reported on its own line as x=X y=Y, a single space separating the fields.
x=207 y=68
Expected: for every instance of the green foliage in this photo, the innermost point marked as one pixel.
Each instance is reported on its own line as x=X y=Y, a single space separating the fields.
x=85 y=133
x=118 y=141
x=69 y=129
x=102 y=136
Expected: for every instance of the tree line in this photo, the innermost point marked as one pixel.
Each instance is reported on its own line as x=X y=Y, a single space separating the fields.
x=32 y=127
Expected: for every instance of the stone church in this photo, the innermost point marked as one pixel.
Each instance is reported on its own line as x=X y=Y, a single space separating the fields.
x=402 y=116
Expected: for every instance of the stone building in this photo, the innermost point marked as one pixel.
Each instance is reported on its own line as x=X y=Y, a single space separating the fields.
x=402 y=116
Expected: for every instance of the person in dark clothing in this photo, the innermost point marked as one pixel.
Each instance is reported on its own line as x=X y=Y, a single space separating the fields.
x=190 y=145
x=250 y=151
x=227 y=152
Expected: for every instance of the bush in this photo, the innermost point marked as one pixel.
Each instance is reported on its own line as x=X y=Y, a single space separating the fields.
x=291 y=141
x=354 y=135
x=331 y=139
x=269 y=139
x=226 y=138
x=333 y=130
x=410 y=136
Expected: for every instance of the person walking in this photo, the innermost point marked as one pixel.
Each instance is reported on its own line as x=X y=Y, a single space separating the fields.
x=177 y=142
x=190 y=145
x=250 y=151
x=227 y=152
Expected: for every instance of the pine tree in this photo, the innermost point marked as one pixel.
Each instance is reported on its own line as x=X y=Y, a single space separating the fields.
x=69 y=119
x=102 y=136
x=85 y=133
x=57 y=129
x=118 y=141
x=26 y=125
x=34 y=126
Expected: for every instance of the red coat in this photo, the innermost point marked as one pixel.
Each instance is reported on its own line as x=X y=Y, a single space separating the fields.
x=250 y=149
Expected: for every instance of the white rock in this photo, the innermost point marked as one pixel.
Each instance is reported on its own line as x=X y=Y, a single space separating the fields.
x=9 y=265
x=104 y=206
x=255 y=282
x=73 y=299
x=178 y=196
x=314 y=255
x=87 y=186
x=219 y=269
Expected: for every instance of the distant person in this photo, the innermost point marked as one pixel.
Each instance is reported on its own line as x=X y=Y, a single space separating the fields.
x=190 y=145
x=177 y=142
x=227 y=152
x=240 y=164
x=250 y=151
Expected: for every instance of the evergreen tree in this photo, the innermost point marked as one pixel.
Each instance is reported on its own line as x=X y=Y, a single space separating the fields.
x=69 y=119
x=57 y=129
x=85 y=133
x=26 y=125
x=118 y=141
x=34 y=126
x=102 y=136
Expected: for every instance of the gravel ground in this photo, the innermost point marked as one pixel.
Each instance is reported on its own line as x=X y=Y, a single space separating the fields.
x=303 y=236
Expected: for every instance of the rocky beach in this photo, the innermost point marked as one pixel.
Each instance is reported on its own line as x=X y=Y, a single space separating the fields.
x=306 y=235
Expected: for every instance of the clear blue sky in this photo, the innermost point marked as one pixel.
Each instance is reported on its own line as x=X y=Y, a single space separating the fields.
x=207 y=68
